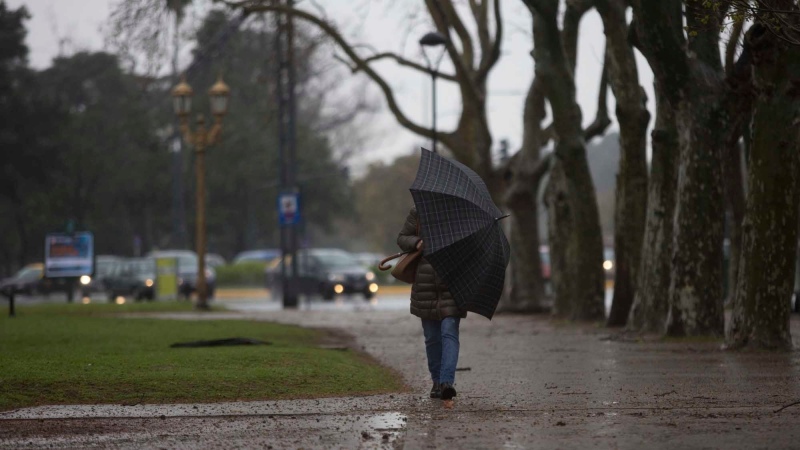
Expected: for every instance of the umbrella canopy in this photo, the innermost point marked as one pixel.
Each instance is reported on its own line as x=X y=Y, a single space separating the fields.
x=459 y=224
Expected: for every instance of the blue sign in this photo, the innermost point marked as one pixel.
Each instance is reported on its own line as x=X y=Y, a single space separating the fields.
x=68 y=255
x=289 y=208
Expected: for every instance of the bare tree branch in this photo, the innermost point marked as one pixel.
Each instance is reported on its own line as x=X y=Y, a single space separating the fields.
x=330 y=30
x=405 y=62
x=463 y=72
x=601 y=120
x=489 y=58
x=733 y=42
x=453 y=19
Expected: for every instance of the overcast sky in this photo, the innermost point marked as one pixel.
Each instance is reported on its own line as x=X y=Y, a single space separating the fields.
x=74 y=25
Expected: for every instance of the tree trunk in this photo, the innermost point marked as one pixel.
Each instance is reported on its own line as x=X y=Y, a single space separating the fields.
x=631 y=190
x=527 y=289
x=526 y=171
x=696 y=284
x=649 y=311
x=734 y=196
x=583 y=249
x=559 y=222
x=761 y=306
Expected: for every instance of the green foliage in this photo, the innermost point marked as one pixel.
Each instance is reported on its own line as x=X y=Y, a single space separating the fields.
x=244 y=169
x=242 y=274
x=71 y=359
x=29 y=124
x=383 y=201
x=86 y=141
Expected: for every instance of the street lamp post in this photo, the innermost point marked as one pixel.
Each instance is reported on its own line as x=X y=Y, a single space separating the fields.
x=200 y=138
x=431 y=41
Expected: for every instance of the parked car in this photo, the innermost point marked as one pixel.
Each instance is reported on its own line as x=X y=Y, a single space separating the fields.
x=134 y=277
x=262 y=255
x=214 y=260
x=187 y=271
x=326 y=272
x=30 y=281
x=104 y=265
x=369 y=259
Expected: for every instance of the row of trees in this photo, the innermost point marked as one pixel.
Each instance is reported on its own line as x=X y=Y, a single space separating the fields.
x=713 y=104
x=88 y=142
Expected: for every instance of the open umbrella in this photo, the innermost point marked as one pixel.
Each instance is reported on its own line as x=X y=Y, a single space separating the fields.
x=459 y=224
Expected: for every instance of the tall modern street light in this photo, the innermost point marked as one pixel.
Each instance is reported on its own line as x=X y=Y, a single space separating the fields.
x=433 y=44
x=200 y=138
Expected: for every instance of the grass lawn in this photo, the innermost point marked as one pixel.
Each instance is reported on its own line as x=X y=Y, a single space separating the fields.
x=68 y=354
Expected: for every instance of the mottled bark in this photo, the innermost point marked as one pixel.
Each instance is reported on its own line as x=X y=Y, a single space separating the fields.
x=696 y=282
x=739 y=107
x=691 y=75
x=732 y=173
x=559 y=224
x=761 y=306
x=583 y=248
x=631 y=190
x=649 y=311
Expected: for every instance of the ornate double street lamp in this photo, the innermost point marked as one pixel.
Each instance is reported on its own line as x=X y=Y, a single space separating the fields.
x=200 y=138
x=429 y=44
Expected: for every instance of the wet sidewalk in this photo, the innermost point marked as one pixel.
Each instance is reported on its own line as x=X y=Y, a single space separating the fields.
x=525 y=382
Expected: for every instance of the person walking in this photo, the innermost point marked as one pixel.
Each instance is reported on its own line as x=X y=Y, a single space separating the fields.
x=433 y=303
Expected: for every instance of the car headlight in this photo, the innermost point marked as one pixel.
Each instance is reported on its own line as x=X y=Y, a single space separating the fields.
x=148 y=282
x=370 y=276
x=86 y=279
x=608 y=265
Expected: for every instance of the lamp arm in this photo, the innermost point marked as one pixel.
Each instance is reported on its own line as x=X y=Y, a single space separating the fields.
x=216 y=131
x=185 y=130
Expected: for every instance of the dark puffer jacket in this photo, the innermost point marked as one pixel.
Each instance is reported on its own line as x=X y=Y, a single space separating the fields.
x=430 y=298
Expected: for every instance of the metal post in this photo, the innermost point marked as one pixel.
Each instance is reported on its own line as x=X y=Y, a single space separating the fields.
x=11 y=311
x=433 y=96
x=70 y=290
x=291 y=180
x=178 y=208
x=286 y=146
x=200 y=172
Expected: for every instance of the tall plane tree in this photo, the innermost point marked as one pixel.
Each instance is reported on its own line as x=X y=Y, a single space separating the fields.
x=576 y=243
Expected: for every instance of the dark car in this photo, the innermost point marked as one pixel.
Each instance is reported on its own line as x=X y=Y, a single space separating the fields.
x=30 y=281
x=263 y=255
x=187 y=271
x=104 y=265
x=325 y=272
x=134 y=277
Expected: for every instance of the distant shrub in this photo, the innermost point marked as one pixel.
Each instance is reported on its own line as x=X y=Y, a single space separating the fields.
x=249 y=273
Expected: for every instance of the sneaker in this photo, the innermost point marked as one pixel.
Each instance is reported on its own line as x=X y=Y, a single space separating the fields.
x=448 y=391
x=436 y=390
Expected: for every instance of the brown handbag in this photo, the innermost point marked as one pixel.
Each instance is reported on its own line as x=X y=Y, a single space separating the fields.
x=406 y=268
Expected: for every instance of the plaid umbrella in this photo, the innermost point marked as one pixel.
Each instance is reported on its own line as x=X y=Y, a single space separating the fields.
x=459 y=224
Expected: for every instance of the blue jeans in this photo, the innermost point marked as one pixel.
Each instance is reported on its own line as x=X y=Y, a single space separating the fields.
x=441 y=345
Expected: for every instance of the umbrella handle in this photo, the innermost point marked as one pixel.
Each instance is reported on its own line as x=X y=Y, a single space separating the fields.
x=382 y=265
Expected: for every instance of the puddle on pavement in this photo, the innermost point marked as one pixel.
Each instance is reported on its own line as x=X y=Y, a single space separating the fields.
x=392 y=421
x=379 y=430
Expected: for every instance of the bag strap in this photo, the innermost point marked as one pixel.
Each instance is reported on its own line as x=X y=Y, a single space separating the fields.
x=382 y=265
